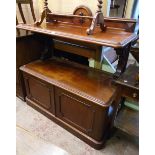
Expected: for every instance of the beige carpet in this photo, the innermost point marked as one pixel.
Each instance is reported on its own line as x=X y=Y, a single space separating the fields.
x=40 y=126
x=29 y=144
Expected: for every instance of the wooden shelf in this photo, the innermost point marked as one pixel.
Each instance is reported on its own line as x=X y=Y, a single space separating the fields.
x=91 y=84
x=128 y=121
x=112 y=37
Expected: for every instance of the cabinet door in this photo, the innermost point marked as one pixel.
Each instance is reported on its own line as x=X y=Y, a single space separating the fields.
x=40 y=93
x=80 y=113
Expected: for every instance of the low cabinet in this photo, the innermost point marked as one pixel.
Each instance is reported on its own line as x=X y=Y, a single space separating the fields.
x=81 y=102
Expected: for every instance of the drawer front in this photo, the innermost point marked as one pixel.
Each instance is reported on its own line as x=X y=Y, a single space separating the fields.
x=80 y=113
x=40 y=93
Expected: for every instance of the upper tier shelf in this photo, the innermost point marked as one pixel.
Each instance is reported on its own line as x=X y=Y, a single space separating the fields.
x=112 y=37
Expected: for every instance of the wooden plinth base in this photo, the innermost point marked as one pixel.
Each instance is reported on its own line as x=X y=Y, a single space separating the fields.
x=93 y=143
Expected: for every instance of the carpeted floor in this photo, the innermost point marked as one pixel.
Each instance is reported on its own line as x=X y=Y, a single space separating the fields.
x=39 y=125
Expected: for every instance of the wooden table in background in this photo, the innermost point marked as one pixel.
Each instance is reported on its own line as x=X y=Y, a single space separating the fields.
x=127 y=119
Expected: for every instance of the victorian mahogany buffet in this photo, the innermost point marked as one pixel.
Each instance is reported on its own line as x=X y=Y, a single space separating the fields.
x=76 y=97
x=79 y=98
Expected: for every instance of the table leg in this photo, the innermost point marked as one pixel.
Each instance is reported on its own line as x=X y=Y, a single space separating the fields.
x=48 y=48
x=123 y=54
x=98 y=57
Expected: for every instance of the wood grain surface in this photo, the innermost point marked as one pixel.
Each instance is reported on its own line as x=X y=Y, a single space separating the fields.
x=111 y=37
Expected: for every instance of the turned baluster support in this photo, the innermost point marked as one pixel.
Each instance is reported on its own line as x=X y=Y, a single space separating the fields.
x=44 y=13
x=98 y=19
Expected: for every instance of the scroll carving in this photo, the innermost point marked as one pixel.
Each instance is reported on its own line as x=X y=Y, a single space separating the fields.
x=98 y=18
x=43 y=14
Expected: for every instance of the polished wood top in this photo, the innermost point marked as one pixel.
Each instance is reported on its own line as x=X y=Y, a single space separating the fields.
x=91 y=84
x=112 y=37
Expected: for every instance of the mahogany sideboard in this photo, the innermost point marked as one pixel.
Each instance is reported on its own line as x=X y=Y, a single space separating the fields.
x=79 y=98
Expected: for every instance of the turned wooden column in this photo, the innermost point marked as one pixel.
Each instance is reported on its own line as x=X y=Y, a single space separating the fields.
x=44 y=13
x=97 y=19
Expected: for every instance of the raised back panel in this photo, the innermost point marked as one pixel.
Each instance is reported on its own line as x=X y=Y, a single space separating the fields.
x=69 y=19
x=121 y=23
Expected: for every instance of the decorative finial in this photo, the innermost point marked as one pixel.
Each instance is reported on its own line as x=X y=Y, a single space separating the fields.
x=100 y=2
x=45 y=4
x=44 y=13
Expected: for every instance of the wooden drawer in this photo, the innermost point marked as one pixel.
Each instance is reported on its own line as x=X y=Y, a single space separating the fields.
x=40 y=92
x=80 y=113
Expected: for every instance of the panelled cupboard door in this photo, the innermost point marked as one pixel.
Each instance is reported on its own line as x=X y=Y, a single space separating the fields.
x=40 y=93
x=80 y=113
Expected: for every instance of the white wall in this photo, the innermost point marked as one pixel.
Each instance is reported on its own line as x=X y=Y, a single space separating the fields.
x=68 y=6
x=61 y=6
x=129 y=8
